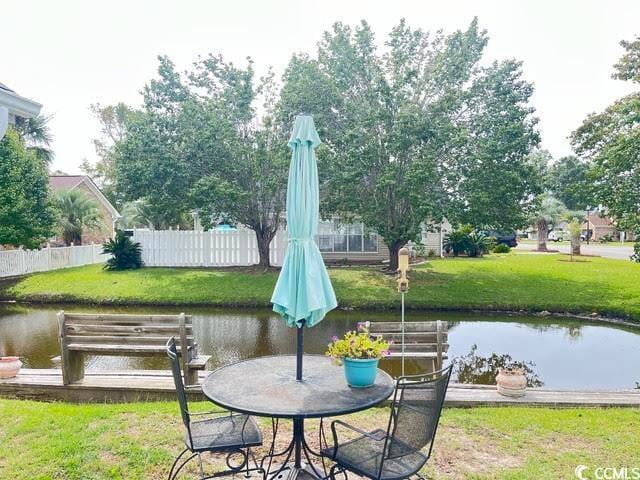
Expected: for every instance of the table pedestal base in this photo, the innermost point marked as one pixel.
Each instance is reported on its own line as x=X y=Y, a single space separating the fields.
x=293 y=467
x=292 y=473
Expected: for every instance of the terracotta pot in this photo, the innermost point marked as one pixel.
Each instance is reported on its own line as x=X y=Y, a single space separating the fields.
x=9 y=367
x=512 y=382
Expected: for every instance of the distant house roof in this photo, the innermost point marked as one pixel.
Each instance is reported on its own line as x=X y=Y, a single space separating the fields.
x=598 y=221
x=60 y=183
x=65 y=182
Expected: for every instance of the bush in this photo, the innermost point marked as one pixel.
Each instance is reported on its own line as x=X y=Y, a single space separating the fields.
x=466 y=240
x=457 y=241
x=636 y=252
x=478 y=244
x=125 y=254
x=501 y=248
x=606 y=239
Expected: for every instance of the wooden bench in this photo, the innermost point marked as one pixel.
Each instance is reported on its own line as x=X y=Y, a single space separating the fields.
x=422 y=340
x=125 y=335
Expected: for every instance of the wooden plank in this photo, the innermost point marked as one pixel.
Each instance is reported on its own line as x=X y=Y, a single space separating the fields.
x=439 y=342
x=189 y=377
x=199 y=362
x=413 y=337
x=123 y=350
x=97 y=318
x=128 y=386
x=419 y=347
x=71 y=364
x=407 y=354
x=396 y=327
x=160 y=341
x=132 y=330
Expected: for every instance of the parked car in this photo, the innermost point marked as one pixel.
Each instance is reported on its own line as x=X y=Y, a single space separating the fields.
x=558 y=236
x=507 y=238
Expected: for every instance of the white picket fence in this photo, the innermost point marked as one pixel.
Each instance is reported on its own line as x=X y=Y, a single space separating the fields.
x=20 y=262
x=218 y=248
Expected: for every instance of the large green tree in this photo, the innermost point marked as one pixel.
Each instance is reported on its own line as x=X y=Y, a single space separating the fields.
x=567 y=179
x=27 y=216
x=420 y=130
x=113 y=120
x=200 y=143
x=610 y=141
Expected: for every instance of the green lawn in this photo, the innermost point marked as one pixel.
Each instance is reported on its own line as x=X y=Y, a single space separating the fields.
x=497 y=282
x=139 y=441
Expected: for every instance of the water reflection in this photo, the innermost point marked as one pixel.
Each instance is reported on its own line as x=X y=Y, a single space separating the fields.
x=562 y=353
x=476 y=369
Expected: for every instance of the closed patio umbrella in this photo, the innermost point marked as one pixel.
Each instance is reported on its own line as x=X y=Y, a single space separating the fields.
x=303 y=294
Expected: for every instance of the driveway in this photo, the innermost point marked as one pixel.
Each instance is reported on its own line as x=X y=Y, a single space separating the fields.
x=609 y=250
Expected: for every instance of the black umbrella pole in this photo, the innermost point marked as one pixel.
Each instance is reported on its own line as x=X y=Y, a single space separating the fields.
x=300 y=351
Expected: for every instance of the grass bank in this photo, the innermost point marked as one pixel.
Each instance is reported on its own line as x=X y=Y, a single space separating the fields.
x=139 y=441
x=513 y=281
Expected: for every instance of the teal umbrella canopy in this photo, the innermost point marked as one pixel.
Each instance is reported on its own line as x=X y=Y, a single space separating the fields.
x=303 y=293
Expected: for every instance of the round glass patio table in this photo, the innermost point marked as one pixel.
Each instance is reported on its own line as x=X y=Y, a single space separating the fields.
x=267 y=387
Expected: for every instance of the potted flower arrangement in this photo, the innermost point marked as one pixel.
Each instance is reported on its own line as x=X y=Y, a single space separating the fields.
x=360 y=353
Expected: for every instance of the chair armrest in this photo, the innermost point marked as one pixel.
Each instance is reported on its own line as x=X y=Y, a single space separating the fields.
x=352 y=428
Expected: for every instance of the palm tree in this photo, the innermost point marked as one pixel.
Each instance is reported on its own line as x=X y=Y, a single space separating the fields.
x=37 y=135
x=575 y=219
x=549 y=211
x=77 y=213
x=135 y=214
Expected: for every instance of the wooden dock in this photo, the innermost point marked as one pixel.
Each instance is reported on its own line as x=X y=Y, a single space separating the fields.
x=151 y=385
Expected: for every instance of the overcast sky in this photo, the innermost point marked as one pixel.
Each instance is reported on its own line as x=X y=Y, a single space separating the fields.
x=69 y=54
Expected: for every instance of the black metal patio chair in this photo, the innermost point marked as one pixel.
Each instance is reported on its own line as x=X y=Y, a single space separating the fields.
x=400 y=451
x=221 y=432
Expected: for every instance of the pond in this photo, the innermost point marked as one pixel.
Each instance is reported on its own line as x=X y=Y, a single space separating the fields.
x=558 y=353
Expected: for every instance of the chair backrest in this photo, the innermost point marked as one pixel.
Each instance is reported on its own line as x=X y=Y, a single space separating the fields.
x=172 y=352
x=415 y=412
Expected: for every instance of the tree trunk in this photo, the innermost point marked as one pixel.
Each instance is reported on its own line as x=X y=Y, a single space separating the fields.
x=394 y=248
x=71 y=238
x=543 y=233
x=264 y=240
x=575 y=245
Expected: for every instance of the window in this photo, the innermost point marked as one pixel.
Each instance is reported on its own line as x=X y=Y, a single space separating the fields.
x=335 y=237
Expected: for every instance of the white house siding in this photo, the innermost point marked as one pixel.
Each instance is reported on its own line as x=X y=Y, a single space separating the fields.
x=433 y=236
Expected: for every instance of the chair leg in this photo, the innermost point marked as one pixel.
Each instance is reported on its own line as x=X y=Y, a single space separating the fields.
x=337 y=468
x=201 y=467
x=175 y=462
x=177 y=471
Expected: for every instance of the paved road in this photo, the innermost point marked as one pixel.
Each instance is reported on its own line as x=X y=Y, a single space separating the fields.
x=607 y=251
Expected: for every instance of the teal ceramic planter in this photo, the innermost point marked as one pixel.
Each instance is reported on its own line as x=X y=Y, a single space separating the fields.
x=360 y=373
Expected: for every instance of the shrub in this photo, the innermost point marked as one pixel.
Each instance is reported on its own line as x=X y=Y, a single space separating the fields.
x=478 y=244
x=501 y=248
x=607 y=238
x=636 y=252
x=457 y=241
x=420 y=250
x=125 y=254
